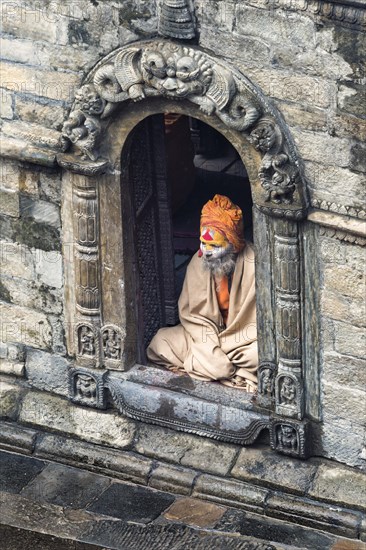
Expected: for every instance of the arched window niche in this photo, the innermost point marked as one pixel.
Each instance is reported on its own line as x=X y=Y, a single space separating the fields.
x=127 y=90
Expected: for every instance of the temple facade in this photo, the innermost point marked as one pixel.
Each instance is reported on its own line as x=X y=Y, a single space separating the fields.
x=117 y=118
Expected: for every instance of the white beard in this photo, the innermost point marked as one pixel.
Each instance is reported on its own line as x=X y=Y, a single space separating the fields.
x=222 y=265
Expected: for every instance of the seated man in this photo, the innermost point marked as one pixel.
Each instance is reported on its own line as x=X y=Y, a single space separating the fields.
x=217 y=337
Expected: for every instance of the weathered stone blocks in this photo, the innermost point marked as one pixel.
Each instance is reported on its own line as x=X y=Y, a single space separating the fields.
x=42 y=83
x=53 y=412
x=335 y=483
x=25 y=326
x=9 y=400
x=47 y=372
x=270 y=469
x=125 y=465
x=184 y=449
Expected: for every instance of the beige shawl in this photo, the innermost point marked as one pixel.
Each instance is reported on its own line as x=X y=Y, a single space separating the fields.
x=216 y=352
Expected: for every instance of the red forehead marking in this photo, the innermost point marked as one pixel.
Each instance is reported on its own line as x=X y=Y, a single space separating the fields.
x=207 y=236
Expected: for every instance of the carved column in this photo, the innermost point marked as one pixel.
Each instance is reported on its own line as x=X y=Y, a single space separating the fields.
x=87 y=283
x=289 y=381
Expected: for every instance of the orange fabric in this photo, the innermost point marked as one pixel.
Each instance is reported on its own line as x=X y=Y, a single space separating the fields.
x=227 y=218
x=223 y=298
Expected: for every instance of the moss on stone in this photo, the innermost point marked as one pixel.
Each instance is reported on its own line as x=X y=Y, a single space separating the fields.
x=37 y=235
x=128 y=13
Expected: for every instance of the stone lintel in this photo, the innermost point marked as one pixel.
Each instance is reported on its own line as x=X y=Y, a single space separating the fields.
x=338 y=222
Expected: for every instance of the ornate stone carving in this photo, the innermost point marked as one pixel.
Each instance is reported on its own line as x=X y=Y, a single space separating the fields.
x=245 y=436
x=176 y=20
x=87 y=343
x=278 y=177
x=290 y=437
x=86 y=246
x=287 y=390
x=87 y=388
x=83 y=126
x=356 y=212
x=288 y=386
x=266 y=373
x=346 y=11
x=111 y=345
x=165 y=69
x=342 y=236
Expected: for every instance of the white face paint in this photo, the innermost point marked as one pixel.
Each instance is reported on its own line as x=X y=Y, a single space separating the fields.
x=213 y=244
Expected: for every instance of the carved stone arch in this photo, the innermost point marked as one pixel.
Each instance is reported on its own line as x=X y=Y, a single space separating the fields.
x=139 y=80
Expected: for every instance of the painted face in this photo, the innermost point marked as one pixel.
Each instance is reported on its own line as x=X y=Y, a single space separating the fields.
x=213 y=244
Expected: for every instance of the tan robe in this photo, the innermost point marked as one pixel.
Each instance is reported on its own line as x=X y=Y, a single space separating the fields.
x=201 y=345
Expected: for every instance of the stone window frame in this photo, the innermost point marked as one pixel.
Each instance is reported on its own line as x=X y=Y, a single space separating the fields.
x=94 y=212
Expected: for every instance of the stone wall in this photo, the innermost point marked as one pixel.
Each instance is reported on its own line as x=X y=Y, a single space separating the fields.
x=307 y=63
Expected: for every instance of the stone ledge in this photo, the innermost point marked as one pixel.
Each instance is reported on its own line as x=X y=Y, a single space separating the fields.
x=333 y=519
x=16 y=438
x=126 y=466
x=129 y=466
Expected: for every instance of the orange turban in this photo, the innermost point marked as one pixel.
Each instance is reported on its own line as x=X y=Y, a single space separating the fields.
x=227 y=218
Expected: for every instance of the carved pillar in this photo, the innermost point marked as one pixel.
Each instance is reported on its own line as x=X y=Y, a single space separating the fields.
x=289 y=380
x=87 y=283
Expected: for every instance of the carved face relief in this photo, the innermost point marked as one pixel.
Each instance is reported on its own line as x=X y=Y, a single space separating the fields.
x=176 y=72
x=88 y=101
x=85 y=386
x=287 y=437
x=263 y=137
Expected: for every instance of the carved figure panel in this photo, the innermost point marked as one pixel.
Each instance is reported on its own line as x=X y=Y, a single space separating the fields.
x=266 y=376
x=87 y=388
x=289 y=437
x=112 y=345
x=289 y=391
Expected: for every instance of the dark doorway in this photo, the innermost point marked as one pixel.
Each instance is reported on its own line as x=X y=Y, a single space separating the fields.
x=175 y=165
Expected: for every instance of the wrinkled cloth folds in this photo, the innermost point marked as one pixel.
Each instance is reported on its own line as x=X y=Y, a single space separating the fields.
x=201 y=345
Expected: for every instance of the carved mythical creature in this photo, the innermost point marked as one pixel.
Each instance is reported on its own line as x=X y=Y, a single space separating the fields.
x=287 y=437
x=176 y=72
x=277 y=175
x=83 y=127
x=288 y=391
x=85 y=386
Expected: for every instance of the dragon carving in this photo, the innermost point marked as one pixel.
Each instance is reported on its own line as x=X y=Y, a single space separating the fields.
x=166 y=69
